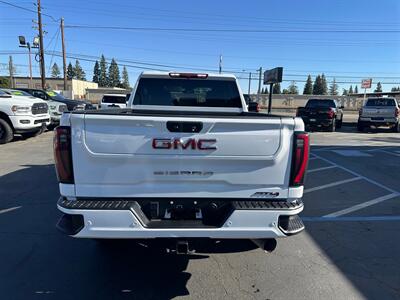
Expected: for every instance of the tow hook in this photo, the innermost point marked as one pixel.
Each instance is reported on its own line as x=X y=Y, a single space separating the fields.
x=182 y=247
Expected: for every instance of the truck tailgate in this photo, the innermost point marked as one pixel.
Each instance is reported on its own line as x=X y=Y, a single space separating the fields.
x=114 y=156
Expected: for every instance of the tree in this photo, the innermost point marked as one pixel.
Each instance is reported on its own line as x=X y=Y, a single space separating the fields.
x=333 y=88
x=317 y=87
x=378 y=88
x=351 y=90
x=70 y=71
x=96 y=72
x=285 y=91
x=125 y=79
x=79 y=73
x=308 y=87
x=262 y=91
x=4 y=82
x=114 y=78
x=356 y=90
x=103 y=79
x=277 y=88
x=293 y=90
x=324 y=85
x=55 y=71
x=395 y=89
x=345 y=92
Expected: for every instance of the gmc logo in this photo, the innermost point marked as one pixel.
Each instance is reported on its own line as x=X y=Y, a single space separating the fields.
x=178 y=143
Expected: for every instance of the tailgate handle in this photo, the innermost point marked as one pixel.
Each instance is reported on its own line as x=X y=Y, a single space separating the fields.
x=174 y=126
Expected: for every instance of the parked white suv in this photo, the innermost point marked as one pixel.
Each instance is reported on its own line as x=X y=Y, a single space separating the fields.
x=21 y=115
x=113 y=101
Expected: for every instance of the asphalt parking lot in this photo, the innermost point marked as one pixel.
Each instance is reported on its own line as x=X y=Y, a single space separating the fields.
x=348 y=251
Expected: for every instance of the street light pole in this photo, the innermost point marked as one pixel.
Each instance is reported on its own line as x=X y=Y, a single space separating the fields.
x=64 y=55
x=30 y=65
x=249 y=83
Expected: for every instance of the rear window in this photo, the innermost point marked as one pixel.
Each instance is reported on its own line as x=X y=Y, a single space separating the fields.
x=381 y=102
x=114 y=99
x=320 y=103
x=187 y=92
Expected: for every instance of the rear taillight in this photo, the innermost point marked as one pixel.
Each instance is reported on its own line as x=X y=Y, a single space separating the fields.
x=258 y=108
x=331 y=113
x=63 y=154
x=397 y=112
x=301 y=152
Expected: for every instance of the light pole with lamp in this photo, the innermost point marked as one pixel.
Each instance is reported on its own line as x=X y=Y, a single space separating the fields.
x=24 y=44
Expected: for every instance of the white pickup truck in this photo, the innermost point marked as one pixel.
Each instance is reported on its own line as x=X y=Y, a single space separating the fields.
x=184 y=160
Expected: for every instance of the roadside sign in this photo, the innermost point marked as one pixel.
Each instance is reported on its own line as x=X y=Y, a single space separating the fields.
x=273 y=76
x=366 y=83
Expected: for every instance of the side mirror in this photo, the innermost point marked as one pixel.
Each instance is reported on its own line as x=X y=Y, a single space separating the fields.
x=253 y=107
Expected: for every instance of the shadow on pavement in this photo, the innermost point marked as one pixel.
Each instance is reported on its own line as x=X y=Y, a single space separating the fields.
x=36 y=259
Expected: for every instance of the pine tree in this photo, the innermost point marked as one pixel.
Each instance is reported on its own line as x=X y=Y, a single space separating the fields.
x=324 y=85
x=103 y=79
x=262 y=91
x=285 y=91
x=277 y=89
x=395 y=89
x=345 y=92
x=125 y=79
x=70 y=71
x=293 y=90
x=378 y=88
x=356 y=89
x=55 y=71
x=114 y=78
x=308 y=87
x=317 y=87
x=96 y=72
x=333 y=88
x=351 y=90
x=79 y=73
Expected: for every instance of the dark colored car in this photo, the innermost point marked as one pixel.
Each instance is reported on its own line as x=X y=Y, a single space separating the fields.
x=251 y=105
x=51 y=95
x=319 y=113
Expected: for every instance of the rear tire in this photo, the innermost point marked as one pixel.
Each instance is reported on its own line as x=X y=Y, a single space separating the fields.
x=6 y=132
x=339 y=124
x=396 y=127
x=332 y=127
x=360 y=127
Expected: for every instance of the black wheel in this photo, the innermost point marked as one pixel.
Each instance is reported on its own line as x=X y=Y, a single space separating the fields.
x=6 y=132
x=27 y=135
x=339 y=124
x=332 y=127
x=396 y=127
x=360 y=127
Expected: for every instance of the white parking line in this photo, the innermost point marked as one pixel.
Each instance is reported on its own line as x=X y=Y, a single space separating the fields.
x=359 y=175
x=387 y=152
x=2 y=211
x=360 y=206
x=312 y=158
x=317 y=188
x=321 y=169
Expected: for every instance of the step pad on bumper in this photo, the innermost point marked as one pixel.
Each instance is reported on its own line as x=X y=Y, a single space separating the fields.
x=290 y=224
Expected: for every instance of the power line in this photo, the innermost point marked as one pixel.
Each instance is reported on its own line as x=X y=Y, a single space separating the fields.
x=27 y=9
x=233 y=30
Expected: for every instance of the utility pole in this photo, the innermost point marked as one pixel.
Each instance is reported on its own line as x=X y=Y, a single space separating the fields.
x=259 y=80
x=249 y=83
x=220 y=64
x=41 y=49
x=64 y=55
x=11 y=71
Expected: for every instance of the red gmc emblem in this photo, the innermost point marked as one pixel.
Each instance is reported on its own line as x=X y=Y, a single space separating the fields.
x=178 y=143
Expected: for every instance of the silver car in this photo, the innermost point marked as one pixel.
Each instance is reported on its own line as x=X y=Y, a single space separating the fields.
x=378 y=112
